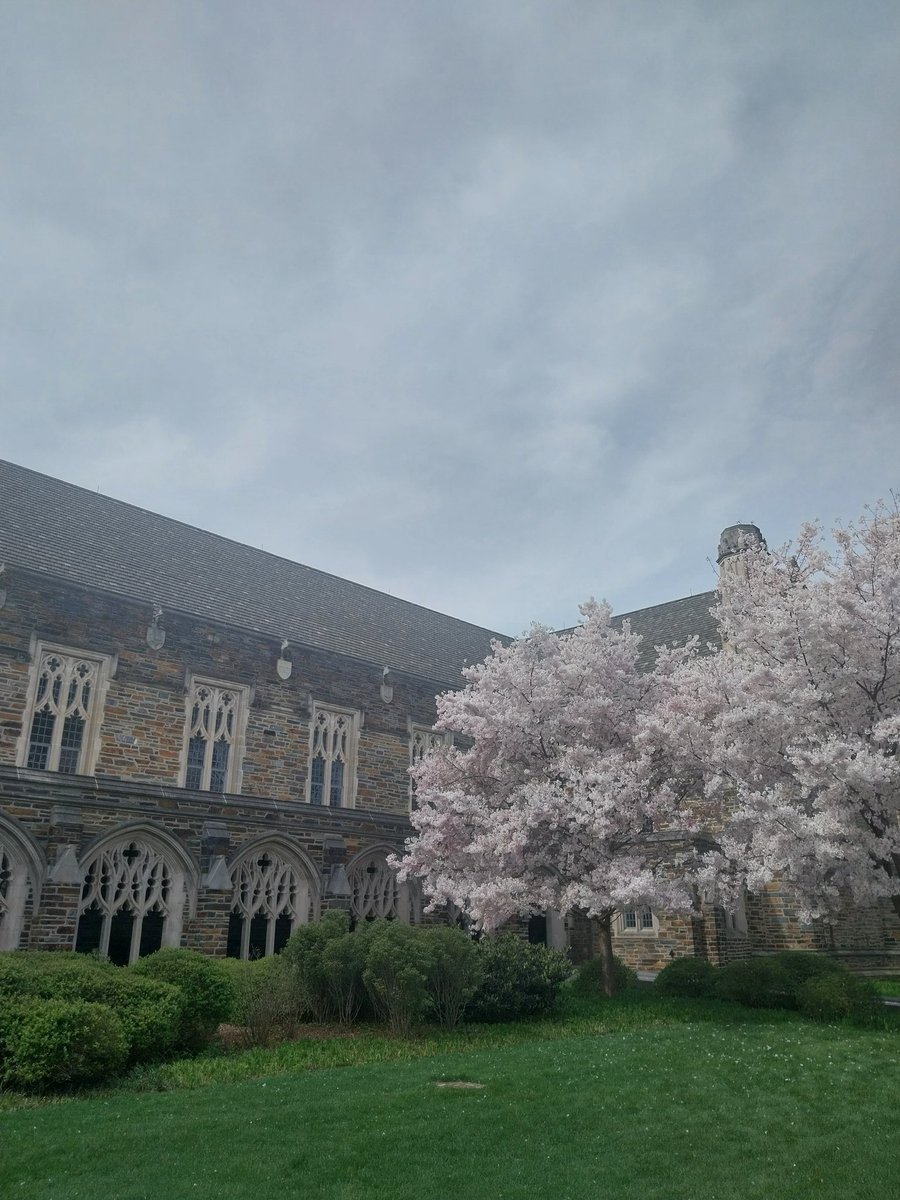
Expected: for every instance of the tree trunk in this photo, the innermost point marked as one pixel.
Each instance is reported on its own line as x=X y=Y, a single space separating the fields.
x=605 y=954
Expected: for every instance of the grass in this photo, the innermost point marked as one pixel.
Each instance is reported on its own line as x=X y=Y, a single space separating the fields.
x=635 y=1100
x=887 y=987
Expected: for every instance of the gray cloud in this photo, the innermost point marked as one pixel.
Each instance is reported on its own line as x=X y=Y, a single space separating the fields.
x=490 y=306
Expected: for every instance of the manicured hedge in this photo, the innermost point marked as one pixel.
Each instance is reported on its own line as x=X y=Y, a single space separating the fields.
x=54 y=1044
x=207 y=991
x=150 y=1011
x=815 y=984
x=687 y=977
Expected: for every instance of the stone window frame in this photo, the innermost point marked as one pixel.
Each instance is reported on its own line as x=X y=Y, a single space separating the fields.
x=21 y=889
x=620 y=929
x=238 y=743
x=405 y=900
x=436 y=739
x=182 y=882
x=89 y=750
x=290 y=858
x=351 y=753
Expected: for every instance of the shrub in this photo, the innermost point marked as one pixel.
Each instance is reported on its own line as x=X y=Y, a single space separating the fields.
x=206 y=988
x=687 y=977
x=150 y=1010
x=396 y=973
x=588 y=979
x=777 y=980
x=755 y=982
x=800 y=965
x=835 y=995
x=303 y=955
x=265 y=1002
x=48 y=1044
x=343 y=966
x=454 y=973
x=519 y=980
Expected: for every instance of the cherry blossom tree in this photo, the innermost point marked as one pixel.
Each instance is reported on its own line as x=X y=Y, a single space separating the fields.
x=550 y=801
x=793 y=729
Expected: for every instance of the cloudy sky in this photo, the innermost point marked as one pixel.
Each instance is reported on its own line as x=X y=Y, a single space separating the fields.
x=492 y=304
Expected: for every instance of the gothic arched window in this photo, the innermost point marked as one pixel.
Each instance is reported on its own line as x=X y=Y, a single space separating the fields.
x=377 y=892
x=16 y=893
x=132 y=900
x=271 y=895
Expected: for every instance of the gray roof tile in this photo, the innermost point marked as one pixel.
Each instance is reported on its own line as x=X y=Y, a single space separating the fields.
x=78 y=535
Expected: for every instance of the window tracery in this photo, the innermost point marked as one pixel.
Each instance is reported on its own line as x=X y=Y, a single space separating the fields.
x=271 y=896
x=376 y=892
x=214 y=736
x=332 y=756
x=64 y=711
x=132 y=902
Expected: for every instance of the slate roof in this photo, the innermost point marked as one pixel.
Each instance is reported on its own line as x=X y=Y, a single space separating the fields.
x=672 y=623
x=71 y=533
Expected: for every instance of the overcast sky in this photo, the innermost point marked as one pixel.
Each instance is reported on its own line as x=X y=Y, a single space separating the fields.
x=492 y=305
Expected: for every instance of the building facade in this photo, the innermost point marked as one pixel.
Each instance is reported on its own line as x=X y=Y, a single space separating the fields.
x=205 y=745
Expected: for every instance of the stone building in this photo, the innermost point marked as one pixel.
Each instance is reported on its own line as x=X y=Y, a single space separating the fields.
x=203 y=744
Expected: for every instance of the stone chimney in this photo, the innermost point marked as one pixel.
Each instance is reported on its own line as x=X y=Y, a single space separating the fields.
x=732 y=544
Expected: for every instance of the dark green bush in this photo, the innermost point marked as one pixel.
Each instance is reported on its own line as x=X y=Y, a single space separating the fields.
x=55 y=1044
x=836 y=995
x=343 y=966
x=454 y=973
x=206 y=988
x=588 y=979
x=150 y=1011
x=519 y=979
x=755 y=982
x=687 y=977
x=800 y=965
x=398 y=964
x=777 y=980
x=303 y=954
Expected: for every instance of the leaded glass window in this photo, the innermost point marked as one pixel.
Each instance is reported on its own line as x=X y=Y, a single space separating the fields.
x=637 y=920
x=332 y=757
x=214 y=733
x=66 y=703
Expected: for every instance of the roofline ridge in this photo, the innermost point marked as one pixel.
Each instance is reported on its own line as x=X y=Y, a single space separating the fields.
x=663 y=604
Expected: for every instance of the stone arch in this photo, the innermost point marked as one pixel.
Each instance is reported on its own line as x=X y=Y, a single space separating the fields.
x=22 y=871
x=375 y=890
x=275 y=888
x=138 y=883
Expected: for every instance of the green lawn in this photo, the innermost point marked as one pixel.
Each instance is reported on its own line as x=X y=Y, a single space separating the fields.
x=766 y=1107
